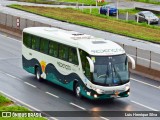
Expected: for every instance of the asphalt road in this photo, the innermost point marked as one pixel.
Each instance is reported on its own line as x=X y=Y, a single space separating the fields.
x=45 y=96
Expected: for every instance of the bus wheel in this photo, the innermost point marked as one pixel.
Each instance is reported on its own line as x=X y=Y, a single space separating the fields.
x=78 y=90
x=38 y=75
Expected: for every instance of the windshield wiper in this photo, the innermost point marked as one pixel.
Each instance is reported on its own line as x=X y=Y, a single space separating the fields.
x=117 y=74
x=107 y=74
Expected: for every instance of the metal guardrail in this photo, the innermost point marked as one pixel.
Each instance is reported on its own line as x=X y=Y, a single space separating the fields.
x=142 y=57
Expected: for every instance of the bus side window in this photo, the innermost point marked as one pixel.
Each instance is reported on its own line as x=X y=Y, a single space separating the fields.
x=87 y=69
x=27 y=40
x=35 y=43
x=53 y=49
x=63 y=52
x=60 y=51
x=73 y=58
x=85 y=64
x=44 y=45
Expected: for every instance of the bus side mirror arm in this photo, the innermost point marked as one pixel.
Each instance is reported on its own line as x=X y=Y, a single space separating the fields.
x=132 y=61
x=90 y=64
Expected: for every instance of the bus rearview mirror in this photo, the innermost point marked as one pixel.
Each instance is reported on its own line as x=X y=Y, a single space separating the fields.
x=132 y=61
x=90 y=64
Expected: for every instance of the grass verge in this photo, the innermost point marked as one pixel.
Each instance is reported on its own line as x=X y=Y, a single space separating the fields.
x=4 y=101
x=39 y=1
x=131 y=11
x=86 y=2
x=7 y=105
x=97 y=21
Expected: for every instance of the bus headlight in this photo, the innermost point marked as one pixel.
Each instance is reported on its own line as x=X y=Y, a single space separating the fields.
x=127 y=87
x=95 y=96
x=98 y=91
x=89 y=93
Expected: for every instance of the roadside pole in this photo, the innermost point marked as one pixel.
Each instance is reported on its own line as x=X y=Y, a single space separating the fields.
x=82 y=6
x=127 y=16
x=149 y=21
x=137 y=18
x=96 y=3
x=77 y=5
x=117 y=14
x=108 y=11
x=90 y=9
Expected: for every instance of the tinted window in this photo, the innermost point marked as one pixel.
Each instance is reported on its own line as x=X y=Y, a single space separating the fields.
x=53 y=49
x=141 y=14
x=63 y=52
x=44 y=46
x=85 y=64
x=35 y=43
x=27 y=40
x=73 y=58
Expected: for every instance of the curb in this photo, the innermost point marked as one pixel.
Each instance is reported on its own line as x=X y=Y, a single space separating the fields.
x=145 y=75
x=11 y=31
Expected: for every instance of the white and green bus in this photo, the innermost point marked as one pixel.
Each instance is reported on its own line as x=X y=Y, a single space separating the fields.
x=91 y=67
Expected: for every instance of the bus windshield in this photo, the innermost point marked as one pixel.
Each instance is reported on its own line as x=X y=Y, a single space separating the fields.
x=110 y=70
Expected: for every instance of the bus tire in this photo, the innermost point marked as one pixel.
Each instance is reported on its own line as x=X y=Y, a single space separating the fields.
x=38 y=74
x=77 y=91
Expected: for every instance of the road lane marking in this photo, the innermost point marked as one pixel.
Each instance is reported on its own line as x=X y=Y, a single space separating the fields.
x=144 y=106
x=10 y=75
x=19 y=79
x=145 y=83
x=27 y=105
x=104 y=118
x=52 y=94
x=30 y=84
x=77 y=106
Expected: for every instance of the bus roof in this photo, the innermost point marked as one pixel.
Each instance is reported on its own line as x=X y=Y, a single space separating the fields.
x=92 y=45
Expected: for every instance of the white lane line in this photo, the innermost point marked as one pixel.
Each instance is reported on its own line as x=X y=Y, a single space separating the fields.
x=19 y=79
x=10 y=75
x=27 y=105
x=52 y=94
x=145 y=83
x=144 y=106
x=104 y=118
x=77 y=106
x=30 y=84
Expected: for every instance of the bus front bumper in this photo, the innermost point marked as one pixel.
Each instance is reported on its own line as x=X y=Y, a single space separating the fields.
x=95 y=96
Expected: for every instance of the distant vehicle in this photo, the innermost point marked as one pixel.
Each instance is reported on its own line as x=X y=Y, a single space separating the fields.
x=112 y=10
x=147 y=16
x=91 y=67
